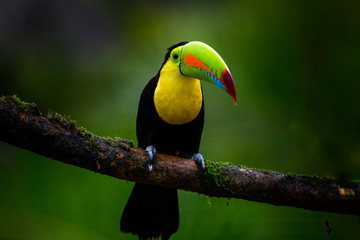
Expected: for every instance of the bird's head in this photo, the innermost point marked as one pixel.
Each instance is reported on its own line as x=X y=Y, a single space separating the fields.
x=198 y=60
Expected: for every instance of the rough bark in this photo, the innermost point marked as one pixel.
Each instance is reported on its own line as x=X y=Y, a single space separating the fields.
x=58 y=137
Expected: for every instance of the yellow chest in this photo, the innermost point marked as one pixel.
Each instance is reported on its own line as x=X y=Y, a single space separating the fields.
x=177 y=98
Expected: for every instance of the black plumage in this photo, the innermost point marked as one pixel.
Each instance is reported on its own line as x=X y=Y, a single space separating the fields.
x=152 y=211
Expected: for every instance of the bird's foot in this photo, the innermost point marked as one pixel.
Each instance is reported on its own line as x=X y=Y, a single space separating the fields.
x=152 y=152
x=199 y=160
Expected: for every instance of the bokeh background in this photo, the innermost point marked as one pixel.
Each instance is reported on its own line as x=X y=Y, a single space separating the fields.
x=296 y=66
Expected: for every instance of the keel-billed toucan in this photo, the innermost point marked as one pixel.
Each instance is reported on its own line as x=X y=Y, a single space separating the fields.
x=170 y=120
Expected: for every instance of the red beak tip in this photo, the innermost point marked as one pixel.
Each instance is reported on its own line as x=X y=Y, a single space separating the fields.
x=229 y=84
x=233 y=97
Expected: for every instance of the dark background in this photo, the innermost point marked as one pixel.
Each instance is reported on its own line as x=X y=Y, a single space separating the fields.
x=296 y=67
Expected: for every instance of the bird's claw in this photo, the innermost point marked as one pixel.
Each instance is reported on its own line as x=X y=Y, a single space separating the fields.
x=199 y=159
x=150 y=167
x=152 y=152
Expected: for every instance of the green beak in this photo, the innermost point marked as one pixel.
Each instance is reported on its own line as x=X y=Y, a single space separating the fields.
x=200 y=61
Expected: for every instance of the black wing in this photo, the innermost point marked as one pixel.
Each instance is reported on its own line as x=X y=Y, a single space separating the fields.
x=147 y=116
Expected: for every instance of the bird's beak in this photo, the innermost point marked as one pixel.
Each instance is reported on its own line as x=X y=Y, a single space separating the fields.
x=200 y=61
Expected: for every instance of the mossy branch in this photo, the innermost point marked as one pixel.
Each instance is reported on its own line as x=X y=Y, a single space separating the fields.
x=58 y=137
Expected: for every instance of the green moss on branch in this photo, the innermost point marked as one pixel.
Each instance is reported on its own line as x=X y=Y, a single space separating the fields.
x=58 y=137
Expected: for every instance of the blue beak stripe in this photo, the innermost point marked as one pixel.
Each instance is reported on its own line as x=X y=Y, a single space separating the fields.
x=215 y=80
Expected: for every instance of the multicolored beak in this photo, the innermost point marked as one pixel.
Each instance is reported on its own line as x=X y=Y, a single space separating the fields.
x=200 y=61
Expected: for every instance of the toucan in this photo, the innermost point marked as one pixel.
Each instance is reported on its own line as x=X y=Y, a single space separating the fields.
x=170 y=120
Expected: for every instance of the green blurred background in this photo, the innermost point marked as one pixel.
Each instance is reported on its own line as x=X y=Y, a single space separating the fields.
x=296 y=66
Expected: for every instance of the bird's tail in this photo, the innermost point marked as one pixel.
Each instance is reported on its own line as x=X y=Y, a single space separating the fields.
x=151 y=212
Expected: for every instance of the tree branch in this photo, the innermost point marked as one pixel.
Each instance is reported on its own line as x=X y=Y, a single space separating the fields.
x=58 y=137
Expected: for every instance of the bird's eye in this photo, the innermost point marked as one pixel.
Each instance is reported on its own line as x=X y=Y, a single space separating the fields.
x=175 y=57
